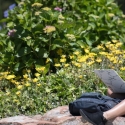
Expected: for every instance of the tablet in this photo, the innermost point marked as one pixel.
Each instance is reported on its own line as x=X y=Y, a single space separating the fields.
x=111 y=79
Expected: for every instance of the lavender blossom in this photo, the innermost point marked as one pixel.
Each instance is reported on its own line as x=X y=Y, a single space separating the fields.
x=11 y=33
x=58 y=9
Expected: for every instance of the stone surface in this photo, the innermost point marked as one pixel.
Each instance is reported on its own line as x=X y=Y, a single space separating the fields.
x=57 y=116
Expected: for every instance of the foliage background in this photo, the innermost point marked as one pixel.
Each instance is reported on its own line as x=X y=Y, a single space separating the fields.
x=78 y=25
x=50 y=49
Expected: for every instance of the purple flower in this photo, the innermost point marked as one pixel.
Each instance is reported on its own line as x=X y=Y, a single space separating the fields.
x=11 y=33
x=6 y=13
x=12 y=6
x=58 y=9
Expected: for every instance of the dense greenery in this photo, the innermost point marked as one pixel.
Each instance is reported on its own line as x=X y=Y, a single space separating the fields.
x=72 y=38
x=37 y=95
x=37 y=35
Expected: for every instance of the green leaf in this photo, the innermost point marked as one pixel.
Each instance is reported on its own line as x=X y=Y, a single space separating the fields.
x=24 y=51
x=10 y=24
x=47 y=67
x=81 y=43
x=47 y=90
x=16 y=67
x=20 y=16
x=88 y=41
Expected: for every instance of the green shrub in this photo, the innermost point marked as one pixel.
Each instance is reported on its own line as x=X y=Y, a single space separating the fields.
x=37 y=95
x=38 y=35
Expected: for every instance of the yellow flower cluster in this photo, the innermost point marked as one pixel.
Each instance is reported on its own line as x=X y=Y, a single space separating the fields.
x=61 y=19
x=35 y=80
x=71 y=37
x=63 y=59
x=10 y=77
x=49 y=29
x=46 y=8
x=111 y=15
x=57 y=65
x=37 y=74
x=76 y=52
x=37 y=13
x=40 y=69
x=37 y=5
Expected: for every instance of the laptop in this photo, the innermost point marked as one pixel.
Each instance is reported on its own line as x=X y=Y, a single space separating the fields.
x=111 y=79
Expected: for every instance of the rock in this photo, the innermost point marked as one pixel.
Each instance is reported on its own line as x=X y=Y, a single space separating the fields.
x=57 y=116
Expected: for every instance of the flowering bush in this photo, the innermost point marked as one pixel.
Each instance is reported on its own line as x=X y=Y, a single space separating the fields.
x=73 y=37
x=36 y=95
x=37 y=35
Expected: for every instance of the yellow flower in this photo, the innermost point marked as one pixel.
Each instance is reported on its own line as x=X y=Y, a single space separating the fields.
x=71 y=57
x=82 y=59
x=47 y=60
x=63 y=56
x=18 y=92
x=100 y=47
x=102 y=53
x=71 y=37
x=37 y=5
x=35 y=80
x=49 y=29
x=5 y=73
x=86 y=50
x=61 y=17
x=37 y=13
x=66 y=65
x=42 y=68
x=98 y=60
x=122 y=68
x=19 y=87
x=13 y=81
x=46 y=8
x=92 y=54
x=80 y=76
x=115 y=61
x=114 y=41
x=17 y=83
x=25 y=76
x=57 y=65
x=10 y=77
x=118 y=52
x=73 y=62
x=62 y=60
x=112 y=58
x=39 y=84
x=27 y=84
x=77 y=53
x=118 y=44
x=77 y=64
x=90 y=63
x=120 y=62
x=37 y=74
x=111 y=14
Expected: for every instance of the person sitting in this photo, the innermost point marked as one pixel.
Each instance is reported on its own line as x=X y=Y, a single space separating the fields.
x=100 y=118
